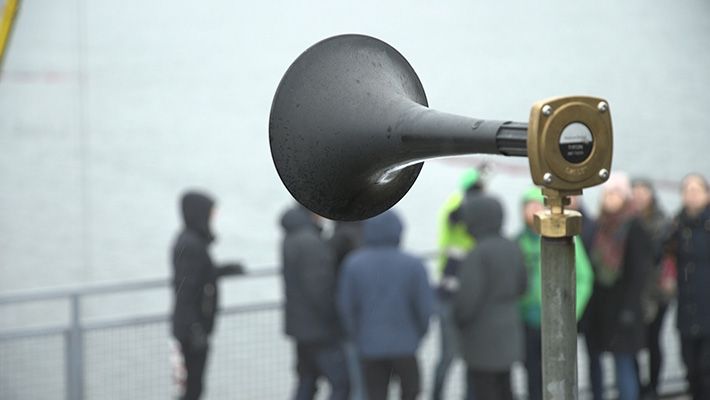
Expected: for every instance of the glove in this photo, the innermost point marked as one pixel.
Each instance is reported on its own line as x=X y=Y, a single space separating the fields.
x=627 y=318
x=198 y=337
x=232 y=269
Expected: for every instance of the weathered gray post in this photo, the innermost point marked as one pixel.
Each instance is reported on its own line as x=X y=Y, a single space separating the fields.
x=559 y=329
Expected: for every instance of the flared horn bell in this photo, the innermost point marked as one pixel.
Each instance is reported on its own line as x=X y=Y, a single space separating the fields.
x=349 y=127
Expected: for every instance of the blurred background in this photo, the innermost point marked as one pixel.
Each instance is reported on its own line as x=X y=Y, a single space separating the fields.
x=109 y=110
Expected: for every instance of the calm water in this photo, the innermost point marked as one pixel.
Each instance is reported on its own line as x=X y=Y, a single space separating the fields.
x=109 y=109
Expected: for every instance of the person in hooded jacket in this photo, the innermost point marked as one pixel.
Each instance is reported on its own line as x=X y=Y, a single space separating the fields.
x=622 y=255
x=492 y=279
x=454 y=242
x=309 y=275
x=690 y=244
x=195 y=288
x=385 y=303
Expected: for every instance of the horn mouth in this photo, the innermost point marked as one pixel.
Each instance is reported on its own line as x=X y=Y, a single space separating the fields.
x=333 y=128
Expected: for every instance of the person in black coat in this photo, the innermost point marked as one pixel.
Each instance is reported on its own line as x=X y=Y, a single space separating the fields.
x=690 y=244
x=621 y=260
x=195 y=288
x=659 y=289
x=309 y=274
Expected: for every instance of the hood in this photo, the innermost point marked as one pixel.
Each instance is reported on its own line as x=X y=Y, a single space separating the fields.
x=483 y=216
x=196 y=210
x=296 y=219
x=383 y=230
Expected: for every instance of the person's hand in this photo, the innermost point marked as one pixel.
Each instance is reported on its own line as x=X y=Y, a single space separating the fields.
x=233 y=269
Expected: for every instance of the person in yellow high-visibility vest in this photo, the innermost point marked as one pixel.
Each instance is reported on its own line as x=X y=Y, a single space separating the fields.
x=454 y=243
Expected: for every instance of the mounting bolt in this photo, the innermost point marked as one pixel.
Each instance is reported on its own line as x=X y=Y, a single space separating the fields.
x=547 y=178
x=604 y=174
x=546 y=110
x=602 y=107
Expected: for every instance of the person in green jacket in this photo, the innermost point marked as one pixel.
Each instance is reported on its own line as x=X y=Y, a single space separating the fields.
x=455 y=242
x=530 y=305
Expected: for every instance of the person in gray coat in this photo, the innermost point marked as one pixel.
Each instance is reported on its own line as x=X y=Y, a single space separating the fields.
x=492 y=279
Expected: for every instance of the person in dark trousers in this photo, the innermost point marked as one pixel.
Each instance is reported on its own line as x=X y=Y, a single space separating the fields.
x=621 y=256
x=195 y=288
x=309 y=274
x=385 y=303
x=492 y=279
x=690 y=244
x=660 y=287
x=454 y=243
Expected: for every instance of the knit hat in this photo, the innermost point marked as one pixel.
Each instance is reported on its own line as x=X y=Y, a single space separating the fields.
x=534 y=194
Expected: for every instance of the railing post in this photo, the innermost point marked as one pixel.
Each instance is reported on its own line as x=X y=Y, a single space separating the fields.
x=75 y=352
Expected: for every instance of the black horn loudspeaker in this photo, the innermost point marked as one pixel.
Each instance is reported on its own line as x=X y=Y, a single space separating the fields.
x=350 y=126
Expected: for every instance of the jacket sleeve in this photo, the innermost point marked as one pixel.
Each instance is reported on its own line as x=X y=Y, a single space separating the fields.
x=190 y=263
x=585 y=277
x=424 y=299
x=317 y=276
x=472 y=283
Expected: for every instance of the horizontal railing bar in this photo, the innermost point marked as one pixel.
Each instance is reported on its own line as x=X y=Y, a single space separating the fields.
x=124 y=322
x=131 y=321
x=111 y=288
x=158 y=318
x=249 y=308
x=25 y=333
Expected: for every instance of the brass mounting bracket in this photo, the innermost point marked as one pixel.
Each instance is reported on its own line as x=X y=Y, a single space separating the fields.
x=555 y=221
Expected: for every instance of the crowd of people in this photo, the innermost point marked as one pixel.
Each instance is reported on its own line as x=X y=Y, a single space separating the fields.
x=357 y=305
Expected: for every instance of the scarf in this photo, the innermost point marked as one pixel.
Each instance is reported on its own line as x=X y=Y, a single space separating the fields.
x=609 y=245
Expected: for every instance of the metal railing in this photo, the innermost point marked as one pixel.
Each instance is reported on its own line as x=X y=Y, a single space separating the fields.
x=128 y=357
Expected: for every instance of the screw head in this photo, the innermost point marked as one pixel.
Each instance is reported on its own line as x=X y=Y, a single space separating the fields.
x=547 y=178
x=546 y=110
x=604 y=174
x=602 y=106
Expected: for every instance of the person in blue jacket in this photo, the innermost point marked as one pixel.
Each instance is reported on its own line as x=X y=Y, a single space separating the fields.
x=385 y=302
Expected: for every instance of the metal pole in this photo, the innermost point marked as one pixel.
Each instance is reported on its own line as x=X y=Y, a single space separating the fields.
x=559 y=323
x=75 y=352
